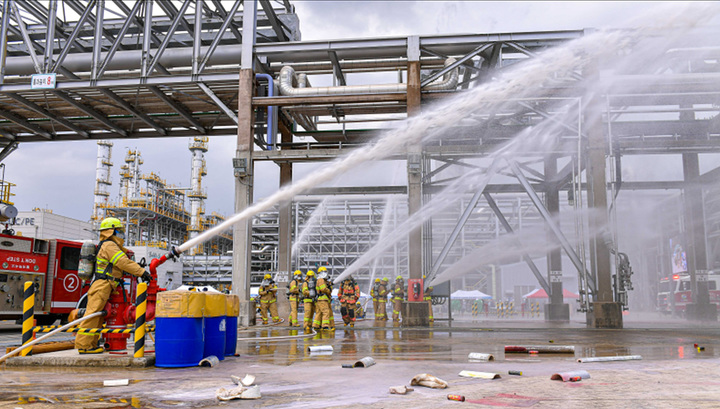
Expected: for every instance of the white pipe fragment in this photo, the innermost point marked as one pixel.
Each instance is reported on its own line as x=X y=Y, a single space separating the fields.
x=116 y=382
x=479 y=356
x=610 y=358
x=481 y=375
x=320 y=348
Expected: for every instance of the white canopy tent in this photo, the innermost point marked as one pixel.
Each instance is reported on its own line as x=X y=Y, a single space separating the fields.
x=469 y=295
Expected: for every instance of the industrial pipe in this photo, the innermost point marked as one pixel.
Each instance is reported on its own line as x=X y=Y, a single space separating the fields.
x=610 y=358
x=270 y=110
x=288 y=78
x=156 y=262
x=49 y=334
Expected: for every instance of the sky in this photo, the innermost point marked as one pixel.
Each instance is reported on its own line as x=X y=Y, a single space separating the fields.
x=60 y=176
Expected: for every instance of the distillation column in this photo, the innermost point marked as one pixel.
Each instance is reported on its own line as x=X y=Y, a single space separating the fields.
x=102 y=179
x=198 y=147
x=130 y=174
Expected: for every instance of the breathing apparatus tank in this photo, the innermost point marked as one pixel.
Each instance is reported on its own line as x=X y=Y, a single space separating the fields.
x=311 y=287
x=86 y=268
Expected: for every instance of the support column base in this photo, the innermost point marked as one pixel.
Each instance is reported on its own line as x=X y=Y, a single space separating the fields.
x=605 y=315
x=247 y=314
x=701 y=312
x=283 y=304
x=557 y=312
x=415 y=314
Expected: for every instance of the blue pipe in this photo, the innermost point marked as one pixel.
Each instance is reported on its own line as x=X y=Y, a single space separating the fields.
x=270 y=110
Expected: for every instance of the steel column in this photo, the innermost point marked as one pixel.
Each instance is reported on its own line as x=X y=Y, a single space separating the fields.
x=147 y=34
x=564 y=243
x=50 y=36
x=197 y=40
x=242 y=235
x=97 y=44
x=4 y=23
x=249 y=30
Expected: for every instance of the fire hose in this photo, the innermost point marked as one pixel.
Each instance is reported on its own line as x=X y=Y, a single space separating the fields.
x=49 y=334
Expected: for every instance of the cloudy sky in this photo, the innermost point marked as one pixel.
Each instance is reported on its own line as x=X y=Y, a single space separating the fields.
x=60 y=176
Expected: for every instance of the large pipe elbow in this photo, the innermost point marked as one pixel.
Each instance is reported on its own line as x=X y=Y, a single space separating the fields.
x=448 y=82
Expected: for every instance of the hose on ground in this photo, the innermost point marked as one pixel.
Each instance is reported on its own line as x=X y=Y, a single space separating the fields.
x=49 y=334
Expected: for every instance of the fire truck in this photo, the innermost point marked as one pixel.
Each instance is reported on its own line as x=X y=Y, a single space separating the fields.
x=51 y=264
x=678 y=288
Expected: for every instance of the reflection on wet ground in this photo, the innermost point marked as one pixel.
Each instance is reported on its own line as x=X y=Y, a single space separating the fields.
x=292 y=376
x=454 y=344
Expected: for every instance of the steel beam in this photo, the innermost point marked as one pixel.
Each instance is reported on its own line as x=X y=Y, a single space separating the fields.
x=97 y=43
x=337 y=70
x=141 y=115
x=147 y=34
x=25 y=124
x=170 y=32
x=179 y=108
x=4 y=23
x=26 y=38
x=454 y=65
x=50 y=36
x=526 y=257
x=249 y=31
x=564 y=243
x=224 y=14
x=73 y=35
x=197 y=41
x=274 y=22
x=7 y=150
x=118 y=40
x=42 y=111
x=90 y=111
x=219 y=35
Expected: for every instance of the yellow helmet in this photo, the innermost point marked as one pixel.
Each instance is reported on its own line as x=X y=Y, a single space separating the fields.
x=267 y=277
x=310 y=273
x=111 y=223
x=321 y=269
x=385 y=279
x=297 y=273
x=398 y=278
x=377 y=280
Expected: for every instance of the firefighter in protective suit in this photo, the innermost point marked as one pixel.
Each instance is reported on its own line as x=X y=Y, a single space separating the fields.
x=382 y=300
x=268 y=299
x=375 y=294
x=349 y=297
x=294 y=296
x=427 y=297
x=309 y=293
x=398 y=297
x=111 y=262
x=329 y=283
x=322 y=305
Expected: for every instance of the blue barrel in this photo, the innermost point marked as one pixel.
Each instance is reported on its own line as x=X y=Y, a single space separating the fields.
x=179 y=330
x=233 y=310
x=215 y=325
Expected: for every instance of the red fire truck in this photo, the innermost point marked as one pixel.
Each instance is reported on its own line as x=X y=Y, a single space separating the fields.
x=51 y=264
x=678 y=288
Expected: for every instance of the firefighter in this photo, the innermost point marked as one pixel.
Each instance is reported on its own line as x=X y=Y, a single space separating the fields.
x=329 y=283
x=268 y=299
x=398 y=297
x=294 y=297
x=322 y=305
x=111 y=262
x=427 y=296
x=382 y=299
x=309 y=293
x=374 y=293
x=350 y=295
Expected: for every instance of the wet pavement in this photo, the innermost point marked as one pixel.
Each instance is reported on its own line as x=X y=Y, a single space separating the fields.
x=672 y=374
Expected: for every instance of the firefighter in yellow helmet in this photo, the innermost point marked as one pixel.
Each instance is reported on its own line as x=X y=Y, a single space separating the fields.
x=427 y=296
x=309 y=293
x=329 y=283
x=322 y=305
x=294 y=296
x=111 y=262
x=382 y=300
x=268 y=299
x=398 y=297
x=375 y=293
x=349 y=294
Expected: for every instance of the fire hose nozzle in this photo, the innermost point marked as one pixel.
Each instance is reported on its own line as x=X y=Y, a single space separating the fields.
x=172 y=254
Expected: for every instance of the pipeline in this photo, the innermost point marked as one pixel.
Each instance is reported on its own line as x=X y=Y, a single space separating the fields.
x=48 y=335
x=288 y=77
x=270 y=111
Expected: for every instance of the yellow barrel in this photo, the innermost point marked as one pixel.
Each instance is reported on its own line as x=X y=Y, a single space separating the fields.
x=215 y=324
x=179 y=320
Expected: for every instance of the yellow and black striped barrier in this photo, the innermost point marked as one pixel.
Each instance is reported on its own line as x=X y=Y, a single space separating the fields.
x=28 y=318
x=475 y=309
x=140 y=308
x=92 y=330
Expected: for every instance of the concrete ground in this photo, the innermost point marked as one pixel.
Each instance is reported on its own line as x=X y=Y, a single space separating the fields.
x=672 y=373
